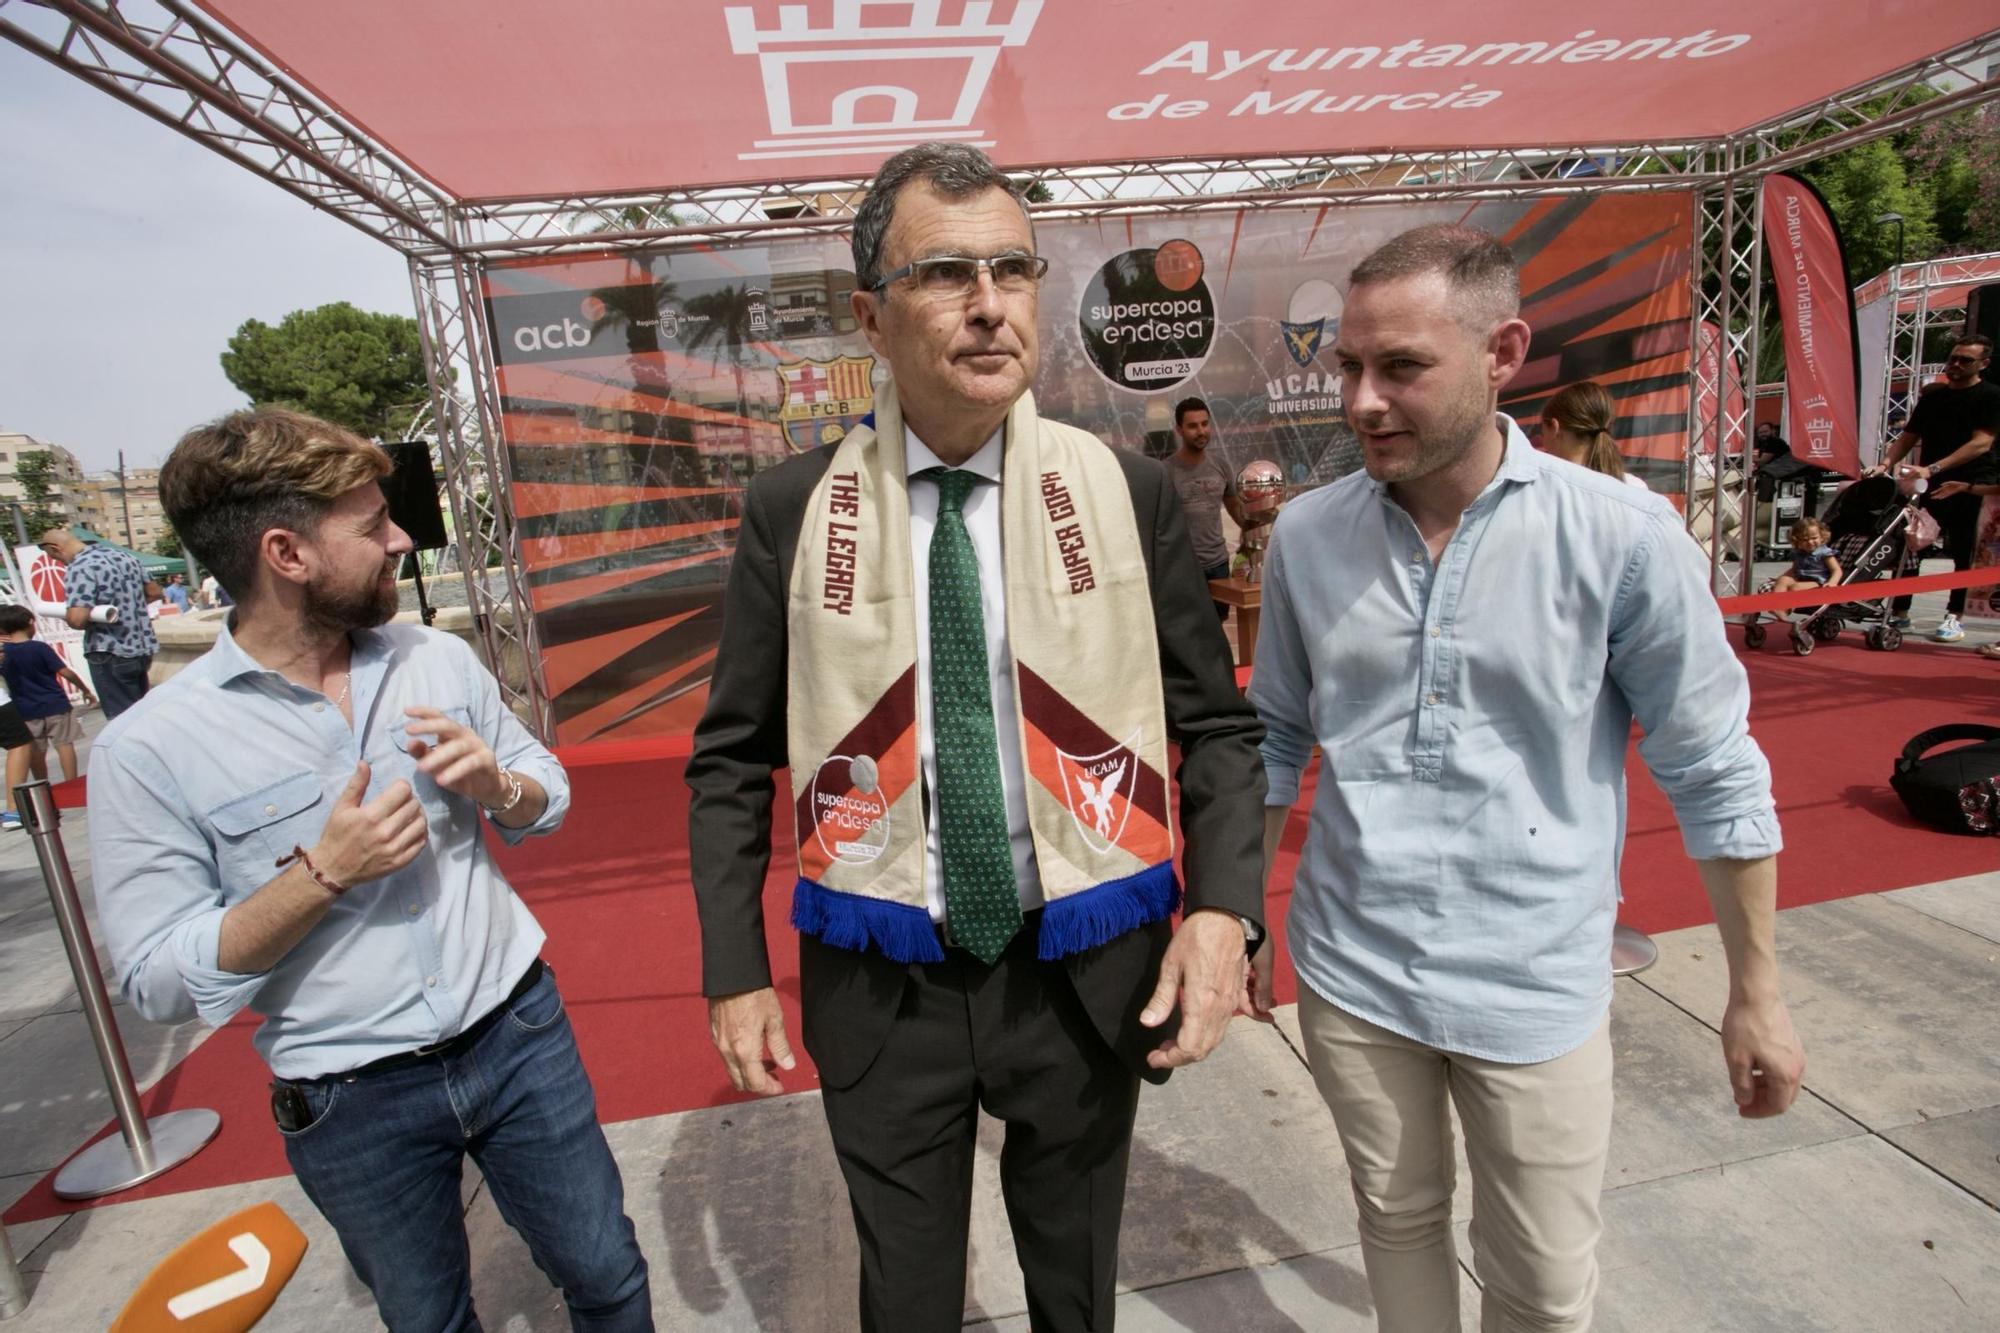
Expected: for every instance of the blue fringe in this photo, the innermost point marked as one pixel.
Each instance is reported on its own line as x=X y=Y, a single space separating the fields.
x=851 y=921
x=1106 y=911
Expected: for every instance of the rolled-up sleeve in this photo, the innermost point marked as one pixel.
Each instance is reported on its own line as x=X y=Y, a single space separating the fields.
x=1281 y=683
x=1673 y=663
x=159 y=895
x=516 y=748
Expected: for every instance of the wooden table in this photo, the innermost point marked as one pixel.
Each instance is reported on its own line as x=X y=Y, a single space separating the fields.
x=1248 y=599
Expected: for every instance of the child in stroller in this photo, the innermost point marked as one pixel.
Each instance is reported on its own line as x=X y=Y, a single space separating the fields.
x=1864 y=529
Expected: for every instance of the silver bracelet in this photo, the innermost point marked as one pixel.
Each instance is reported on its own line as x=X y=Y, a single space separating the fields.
x=513 y=794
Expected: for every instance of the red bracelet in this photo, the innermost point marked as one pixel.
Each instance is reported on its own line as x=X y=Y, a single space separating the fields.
x=299 y=854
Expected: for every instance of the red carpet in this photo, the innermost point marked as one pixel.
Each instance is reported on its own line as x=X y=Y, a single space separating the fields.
x=612 y=889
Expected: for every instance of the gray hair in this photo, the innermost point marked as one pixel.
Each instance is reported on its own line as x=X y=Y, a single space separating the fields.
x=949 y=170
x=1480 y=272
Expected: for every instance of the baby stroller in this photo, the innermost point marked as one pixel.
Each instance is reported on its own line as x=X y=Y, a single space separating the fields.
x=1867 y=520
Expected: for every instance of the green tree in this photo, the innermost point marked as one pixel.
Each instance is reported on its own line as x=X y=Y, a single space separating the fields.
x=168 y=543
x=357 y=368
x=36 y=471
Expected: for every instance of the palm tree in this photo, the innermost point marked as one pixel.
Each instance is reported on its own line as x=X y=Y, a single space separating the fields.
x=723 y=324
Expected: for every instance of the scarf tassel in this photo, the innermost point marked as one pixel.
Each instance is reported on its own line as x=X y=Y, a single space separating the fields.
x=1103 y=912
x=852 y=921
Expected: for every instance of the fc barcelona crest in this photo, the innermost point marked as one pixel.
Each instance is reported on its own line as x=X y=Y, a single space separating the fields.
x=823 y=400
x=1302 y=340
x=1098 y=789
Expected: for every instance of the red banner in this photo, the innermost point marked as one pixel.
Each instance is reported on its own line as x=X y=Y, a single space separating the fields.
x=1816 y=308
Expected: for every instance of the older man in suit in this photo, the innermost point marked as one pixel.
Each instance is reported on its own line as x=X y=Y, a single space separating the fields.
x=970 y=633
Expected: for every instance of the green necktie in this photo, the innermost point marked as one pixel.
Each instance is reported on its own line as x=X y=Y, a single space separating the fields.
x=982 y=904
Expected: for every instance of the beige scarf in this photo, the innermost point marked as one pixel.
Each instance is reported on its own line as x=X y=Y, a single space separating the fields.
x=1091 y=719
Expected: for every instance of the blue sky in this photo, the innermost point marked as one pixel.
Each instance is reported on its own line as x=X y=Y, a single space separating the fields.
x=128 y=256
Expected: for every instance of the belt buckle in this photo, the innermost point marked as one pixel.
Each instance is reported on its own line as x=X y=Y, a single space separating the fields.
x=435 y=1048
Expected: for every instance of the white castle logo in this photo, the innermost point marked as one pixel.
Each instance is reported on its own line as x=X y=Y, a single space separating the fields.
x=862 y=86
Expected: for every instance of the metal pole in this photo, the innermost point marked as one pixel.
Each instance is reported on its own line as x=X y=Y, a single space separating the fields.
x=125 y=500
x=146 y=1148
x=13 y=1291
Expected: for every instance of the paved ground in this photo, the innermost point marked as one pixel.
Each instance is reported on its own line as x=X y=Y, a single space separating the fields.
x=1874 y=1205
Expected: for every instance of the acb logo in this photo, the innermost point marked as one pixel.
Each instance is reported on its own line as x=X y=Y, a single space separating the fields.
x=552 y=337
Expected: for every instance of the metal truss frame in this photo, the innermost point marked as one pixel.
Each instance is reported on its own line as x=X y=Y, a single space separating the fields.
x=185 y=70
x=479 y=482
x=1909 y=330
x=1725 y=275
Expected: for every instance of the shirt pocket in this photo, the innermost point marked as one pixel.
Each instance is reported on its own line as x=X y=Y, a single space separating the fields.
x=441 y=807
x=254 y=830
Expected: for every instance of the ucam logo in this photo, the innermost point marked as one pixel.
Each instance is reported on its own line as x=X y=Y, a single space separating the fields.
x=551 y=337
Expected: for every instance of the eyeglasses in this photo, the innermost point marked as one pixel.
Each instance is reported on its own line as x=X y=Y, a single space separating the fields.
x=945 y=276
x=1957 y=360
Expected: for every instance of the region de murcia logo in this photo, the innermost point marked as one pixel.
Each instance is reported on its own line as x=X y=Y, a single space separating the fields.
x=1098 y=789
x=865 y=84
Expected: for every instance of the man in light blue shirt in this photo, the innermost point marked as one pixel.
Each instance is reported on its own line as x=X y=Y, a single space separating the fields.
x=1467 y=629
x=292 y=825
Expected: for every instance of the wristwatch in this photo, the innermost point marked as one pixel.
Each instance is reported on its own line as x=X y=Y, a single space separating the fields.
x=1253 y=934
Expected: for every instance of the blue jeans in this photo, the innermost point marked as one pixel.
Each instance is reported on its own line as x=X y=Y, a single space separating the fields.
x=382 y=1153
x=120 y=681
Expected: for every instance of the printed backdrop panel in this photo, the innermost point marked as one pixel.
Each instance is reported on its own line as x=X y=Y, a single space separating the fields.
x=640 y=392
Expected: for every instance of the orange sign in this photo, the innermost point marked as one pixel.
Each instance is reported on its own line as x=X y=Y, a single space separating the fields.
x=222 y=1281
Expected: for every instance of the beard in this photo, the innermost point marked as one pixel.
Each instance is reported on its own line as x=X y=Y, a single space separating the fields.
x=1439 y=442
x=337 y=610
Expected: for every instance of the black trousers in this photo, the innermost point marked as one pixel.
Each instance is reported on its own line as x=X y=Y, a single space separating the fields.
x=120 y=681
x=1958 y=532
x=1014 y=1039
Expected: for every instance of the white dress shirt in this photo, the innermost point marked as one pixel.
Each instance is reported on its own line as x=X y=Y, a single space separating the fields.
x=982 y=523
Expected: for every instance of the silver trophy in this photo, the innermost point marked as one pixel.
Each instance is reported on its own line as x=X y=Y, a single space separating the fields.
x=1261 y=488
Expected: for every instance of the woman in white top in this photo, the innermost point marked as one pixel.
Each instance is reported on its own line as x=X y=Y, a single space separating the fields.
x=1576 y=425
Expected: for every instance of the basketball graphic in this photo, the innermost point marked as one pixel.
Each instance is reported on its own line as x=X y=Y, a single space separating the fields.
x=45 y=578
x=593 y=308
x=1177 y=265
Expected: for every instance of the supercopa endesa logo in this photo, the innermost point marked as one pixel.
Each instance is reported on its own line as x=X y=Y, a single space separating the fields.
x=1147 y=318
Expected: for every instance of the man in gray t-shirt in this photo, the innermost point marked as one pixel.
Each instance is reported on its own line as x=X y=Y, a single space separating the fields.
x=1206 y=487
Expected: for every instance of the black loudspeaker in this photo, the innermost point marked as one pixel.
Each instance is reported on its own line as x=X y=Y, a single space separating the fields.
x=1982 y=315
x=412 y=493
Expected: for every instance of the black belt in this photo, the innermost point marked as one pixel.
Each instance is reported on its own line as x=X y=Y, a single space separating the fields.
x=450 y=1046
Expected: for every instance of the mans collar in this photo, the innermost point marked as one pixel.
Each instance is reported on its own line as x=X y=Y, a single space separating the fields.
x=1517 y=458
x=986 y=463
x=230 y=662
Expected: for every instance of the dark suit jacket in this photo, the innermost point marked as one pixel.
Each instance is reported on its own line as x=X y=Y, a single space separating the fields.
x=849 y=997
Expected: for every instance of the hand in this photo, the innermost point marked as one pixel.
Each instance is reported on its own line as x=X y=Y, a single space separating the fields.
x=743 y=1026
x=458 y=760
x=365 y=842
x=1206 y=969
x=1764 y=1057
x=1950 y=488
x=1260 y=987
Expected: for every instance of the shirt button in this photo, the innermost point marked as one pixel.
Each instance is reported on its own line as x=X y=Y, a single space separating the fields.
x=1430 y=699
x=1435 y=631
x=319 y=708
x=430 y=981
x=414 y=908
x=270 y=809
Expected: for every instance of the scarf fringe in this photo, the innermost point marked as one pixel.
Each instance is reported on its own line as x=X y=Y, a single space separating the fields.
x=853 y=921
x=1101 y=913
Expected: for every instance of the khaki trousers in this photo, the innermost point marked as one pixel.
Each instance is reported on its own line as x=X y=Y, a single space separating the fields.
x=1535 y=1137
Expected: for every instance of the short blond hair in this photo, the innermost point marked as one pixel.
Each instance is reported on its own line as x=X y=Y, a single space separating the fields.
x=229 y=482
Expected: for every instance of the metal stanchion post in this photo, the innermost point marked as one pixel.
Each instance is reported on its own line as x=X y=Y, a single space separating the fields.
x=13 y=1291
x=145 y=1148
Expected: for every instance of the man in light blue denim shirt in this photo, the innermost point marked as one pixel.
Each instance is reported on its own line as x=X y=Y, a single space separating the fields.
x=1467 y=630
x=293 y=825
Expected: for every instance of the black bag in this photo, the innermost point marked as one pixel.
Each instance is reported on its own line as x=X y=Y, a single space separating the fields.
x=1959 y=790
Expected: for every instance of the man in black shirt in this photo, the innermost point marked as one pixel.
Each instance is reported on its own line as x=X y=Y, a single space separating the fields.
x=1952 y=429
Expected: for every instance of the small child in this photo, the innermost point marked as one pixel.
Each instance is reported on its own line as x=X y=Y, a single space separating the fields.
x=35 y=676
x=1815 y=565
